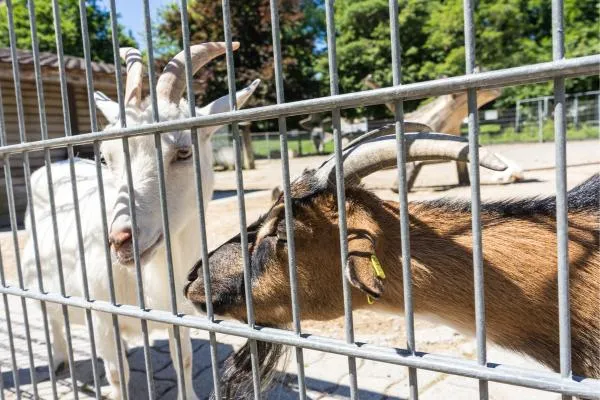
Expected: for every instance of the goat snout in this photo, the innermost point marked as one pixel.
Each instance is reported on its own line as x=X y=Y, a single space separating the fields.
x=121 y=239
x=193 y=273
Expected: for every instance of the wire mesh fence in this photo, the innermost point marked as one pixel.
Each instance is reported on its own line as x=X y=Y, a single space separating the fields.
x=57 y=272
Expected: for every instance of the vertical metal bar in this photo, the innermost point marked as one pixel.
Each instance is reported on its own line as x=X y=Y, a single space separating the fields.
x=47 y=158
x=341 y=196
x=136 y=253
x=138 y=275
x=285 y=173
x=67 y=125
x=562 y=223
x=123 y=121
x=598 y=112
x=11 y=344
x=237 y=147
x=475 y=195
x=1 y=383
x=15 y=239
x=540 y=122
x=199 y=197
x=413 y=392
x=163 y=196
x=9 y=186
x=94 y=128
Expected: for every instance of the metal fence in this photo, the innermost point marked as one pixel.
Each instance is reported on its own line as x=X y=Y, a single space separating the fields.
x=556 y=70
x=528 y=120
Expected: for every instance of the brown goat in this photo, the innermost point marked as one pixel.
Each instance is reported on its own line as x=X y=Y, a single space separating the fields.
x=520 y=264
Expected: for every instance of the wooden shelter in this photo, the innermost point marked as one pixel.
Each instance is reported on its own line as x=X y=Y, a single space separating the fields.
x=79 y=114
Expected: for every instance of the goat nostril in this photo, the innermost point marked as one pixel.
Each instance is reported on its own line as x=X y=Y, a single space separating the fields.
x=120 y=238
x=193 y=274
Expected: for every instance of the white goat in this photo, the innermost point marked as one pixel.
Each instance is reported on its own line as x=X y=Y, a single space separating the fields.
x=182 y=212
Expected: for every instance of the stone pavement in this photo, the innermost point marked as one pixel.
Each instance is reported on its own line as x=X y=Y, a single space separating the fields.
x=326 y=374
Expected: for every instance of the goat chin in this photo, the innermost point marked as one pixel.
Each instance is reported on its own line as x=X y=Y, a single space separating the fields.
x=236 y=376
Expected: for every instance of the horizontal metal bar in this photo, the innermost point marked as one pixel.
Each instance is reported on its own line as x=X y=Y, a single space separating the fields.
x=580 y=66
x=549 y=381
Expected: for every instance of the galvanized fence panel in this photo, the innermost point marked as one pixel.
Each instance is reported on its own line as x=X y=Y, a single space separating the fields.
x=557 y=70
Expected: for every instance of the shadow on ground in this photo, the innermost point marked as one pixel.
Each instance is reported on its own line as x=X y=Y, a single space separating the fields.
x=165 y=381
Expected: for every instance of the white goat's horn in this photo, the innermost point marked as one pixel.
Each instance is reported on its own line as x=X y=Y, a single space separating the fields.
x=380 y=153
x=135 y=66
x=171 y=84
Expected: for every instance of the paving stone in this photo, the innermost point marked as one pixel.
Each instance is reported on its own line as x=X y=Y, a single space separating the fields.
x=373 y=379
x=325 y=375
x=455 y=387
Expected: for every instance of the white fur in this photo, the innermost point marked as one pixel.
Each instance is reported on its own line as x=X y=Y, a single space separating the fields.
x=183 y=224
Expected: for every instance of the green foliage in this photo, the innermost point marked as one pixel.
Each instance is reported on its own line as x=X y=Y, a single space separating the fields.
x=98 y=20
x=509 y=33
x=300 y=22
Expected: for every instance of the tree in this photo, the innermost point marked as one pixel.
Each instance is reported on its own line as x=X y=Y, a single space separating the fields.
x=363 y=44
x=301 y=26
x=509 y=33
x=98 y=20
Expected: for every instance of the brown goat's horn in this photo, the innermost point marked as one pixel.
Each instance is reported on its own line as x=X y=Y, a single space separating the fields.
x=134 y=65
x=171 y=84
x=380 y=153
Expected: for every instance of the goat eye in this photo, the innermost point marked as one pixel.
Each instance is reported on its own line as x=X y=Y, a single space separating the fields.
x=103 y=160
x=184 y=153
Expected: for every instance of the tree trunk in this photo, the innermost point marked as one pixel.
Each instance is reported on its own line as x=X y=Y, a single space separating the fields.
x=247 y=147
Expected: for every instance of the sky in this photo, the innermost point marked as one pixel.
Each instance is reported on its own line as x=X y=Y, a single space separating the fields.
x=131 y=16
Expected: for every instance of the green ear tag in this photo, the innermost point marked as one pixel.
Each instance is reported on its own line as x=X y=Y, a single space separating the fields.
x=377 y=267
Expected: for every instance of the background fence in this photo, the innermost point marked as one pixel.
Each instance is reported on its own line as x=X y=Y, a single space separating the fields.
x=529 y=120
x=480 y=369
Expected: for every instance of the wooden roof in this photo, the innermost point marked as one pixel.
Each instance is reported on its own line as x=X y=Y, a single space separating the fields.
x=103 y=73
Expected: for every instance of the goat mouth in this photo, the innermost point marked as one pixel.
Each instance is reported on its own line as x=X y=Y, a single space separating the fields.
x=128 y=258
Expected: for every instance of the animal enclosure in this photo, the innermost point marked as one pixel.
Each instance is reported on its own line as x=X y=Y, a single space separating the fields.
x=259 y=337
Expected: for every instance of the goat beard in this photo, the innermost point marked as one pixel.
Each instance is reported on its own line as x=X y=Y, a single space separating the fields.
x=236 y=375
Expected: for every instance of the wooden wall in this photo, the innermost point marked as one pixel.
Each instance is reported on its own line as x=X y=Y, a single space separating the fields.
x=80 y=123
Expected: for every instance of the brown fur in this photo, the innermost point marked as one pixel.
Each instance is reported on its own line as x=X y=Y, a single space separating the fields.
x=520 y=271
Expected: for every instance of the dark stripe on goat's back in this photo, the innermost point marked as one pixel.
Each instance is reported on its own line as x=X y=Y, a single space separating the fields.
x=585 y=196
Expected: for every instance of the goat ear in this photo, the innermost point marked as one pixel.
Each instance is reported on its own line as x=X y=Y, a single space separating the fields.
x=109 y=108
x=363 y=269
x=222 y=105
x=275 y=193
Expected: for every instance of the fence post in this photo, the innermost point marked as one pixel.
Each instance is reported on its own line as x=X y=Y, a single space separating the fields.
x=268 y=145
x=576 y=116
x=598 y=116
x=517 y=116
x=247 y=145
x=540 y=122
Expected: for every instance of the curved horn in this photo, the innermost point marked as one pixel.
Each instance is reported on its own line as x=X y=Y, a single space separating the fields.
x=380 y=153
x=171 y=84
x=134 y=65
